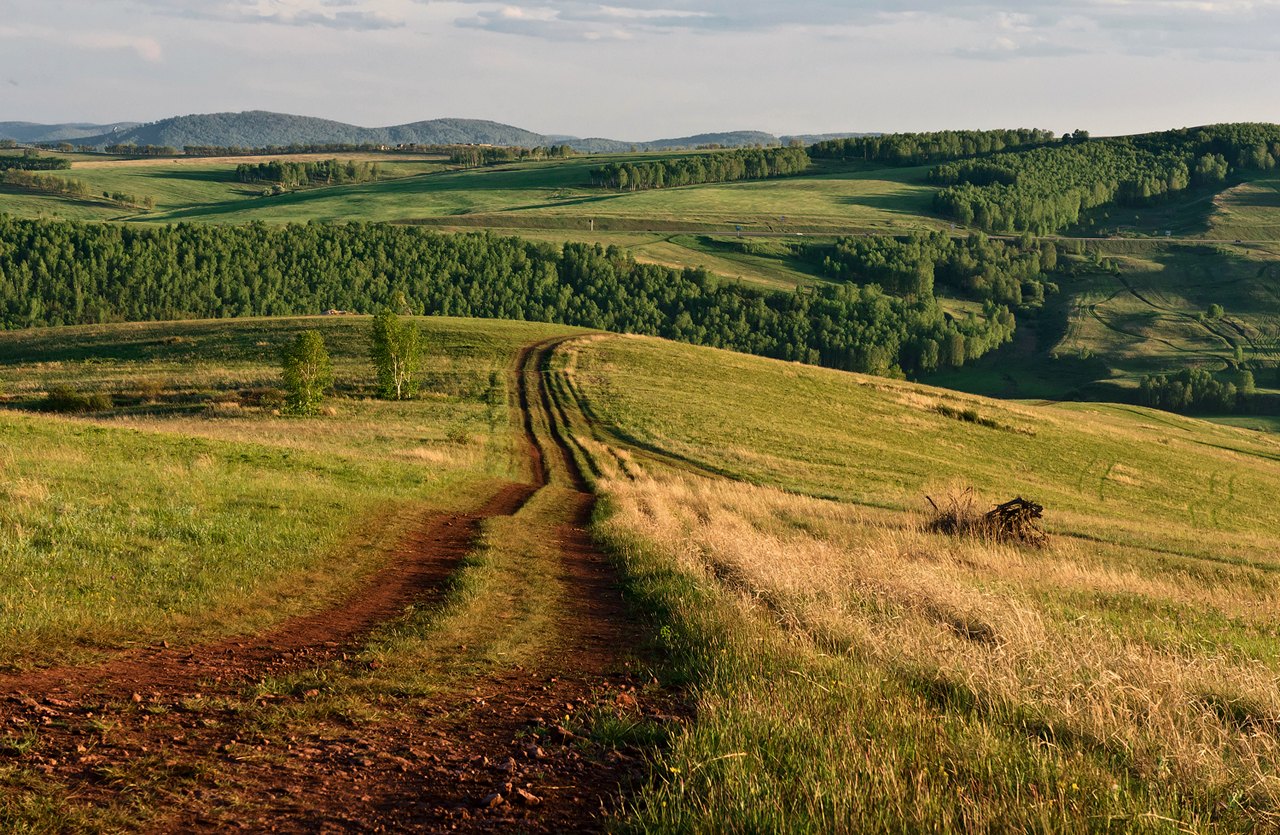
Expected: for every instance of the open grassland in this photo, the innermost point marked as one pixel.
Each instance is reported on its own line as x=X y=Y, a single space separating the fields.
x=853 y=671
x=1249 y=211
x=1151 y=313
x=533 y=195
x=178 y=185
x=183 y=495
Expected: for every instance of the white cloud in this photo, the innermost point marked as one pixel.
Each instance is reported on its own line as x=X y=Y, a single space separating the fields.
x=146 y=48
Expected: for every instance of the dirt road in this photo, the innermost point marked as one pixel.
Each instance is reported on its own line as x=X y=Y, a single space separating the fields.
x=189 y=732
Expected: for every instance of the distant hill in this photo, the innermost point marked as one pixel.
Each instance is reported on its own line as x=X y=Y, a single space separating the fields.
x=259 y=128
x=71 y=132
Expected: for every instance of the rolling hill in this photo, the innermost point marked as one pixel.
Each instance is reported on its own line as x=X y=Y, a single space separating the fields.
x=70 y=132
x=259 y=129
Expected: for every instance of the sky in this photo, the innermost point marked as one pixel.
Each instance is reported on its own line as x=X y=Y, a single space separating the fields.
x=645 y=69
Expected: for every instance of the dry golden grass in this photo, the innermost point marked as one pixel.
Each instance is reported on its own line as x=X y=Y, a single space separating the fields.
x=1012 y=629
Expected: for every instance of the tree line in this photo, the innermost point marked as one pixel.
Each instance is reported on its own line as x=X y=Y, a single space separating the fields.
x=67 y=187
x=925 y=148
x=1194 y=390
x=1014 y=274
x=63 y=272
x=297 y=174
x=32 y=161
x=718 y=167
x=476 y=156
x=1048 y=188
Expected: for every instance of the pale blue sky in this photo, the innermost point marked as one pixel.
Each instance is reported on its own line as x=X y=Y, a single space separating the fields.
x=643 y=69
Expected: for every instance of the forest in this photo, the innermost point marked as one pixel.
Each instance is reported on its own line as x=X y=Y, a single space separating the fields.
x=718 y=167
x=297 y=174
x=1011 y=274
x=1049 y=188
x=63 y=273
x=925 y=148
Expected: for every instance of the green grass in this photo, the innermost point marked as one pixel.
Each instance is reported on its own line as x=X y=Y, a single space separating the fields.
x=189 y=496
x=851 y=671
x=1249 y=211
x=885 y=444
x=535 y=195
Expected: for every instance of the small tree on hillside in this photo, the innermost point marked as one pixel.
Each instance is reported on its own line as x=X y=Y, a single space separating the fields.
x=308 y=374
x=397 y=354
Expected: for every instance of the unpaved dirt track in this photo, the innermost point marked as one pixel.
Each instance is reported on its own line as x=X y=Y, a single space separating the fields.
x=438 y=771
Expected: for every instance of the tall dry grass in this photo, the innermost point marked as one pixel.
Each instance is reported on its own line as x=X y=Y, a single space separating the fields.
x=1142 y=668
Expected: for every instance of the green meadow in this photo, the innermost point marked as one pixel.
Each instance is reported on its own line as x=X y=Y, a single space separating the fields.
x=184 y=493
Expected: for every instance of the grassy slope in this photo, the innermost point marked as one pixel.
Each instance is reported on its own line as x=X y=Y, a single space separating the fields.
x=188 y=498
x=854 y=671
x=1249 y=211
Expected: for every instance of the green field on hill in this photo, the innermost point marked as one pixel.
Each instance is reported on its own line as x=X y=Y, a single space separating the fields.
x=851 y=666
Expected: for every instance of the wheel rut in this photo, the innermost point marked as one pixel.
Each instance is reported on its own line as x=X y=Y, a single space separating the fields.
x=492 y=753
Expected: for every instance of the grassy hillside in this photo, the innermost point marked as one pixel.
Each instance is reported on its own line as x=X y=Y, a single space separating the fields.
x=852 y=669
x=548 y=195
x=186 y=495
x=847 y=668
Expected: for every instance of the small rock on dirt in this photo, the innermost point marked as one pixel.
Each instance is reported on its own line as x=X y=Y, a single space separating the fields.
x=493 y=801
x=528 y=798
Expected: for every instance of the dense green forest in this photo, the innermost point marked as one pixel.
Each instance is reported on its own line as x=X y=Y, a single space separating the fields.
x=296 y=174
x=718 y=167
x=61 y=273
x=1048 y=188
x=30 y=161
x=924 y=148
x=1011 y=274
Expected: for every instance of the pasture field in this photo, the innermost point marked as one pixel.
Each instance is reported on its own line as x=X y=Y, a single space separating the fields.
x=1249 y=211
x=842 y=666
x=533 y=195
x=852 y=670
x=186 y=496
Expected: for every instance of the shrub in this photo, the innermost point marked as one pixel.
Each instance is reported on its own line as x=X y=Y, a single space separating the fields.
x=67 y=400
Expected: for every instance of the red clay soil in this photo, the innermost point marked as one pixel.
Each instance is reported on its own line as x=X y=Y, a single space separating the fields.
x=497 y=758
